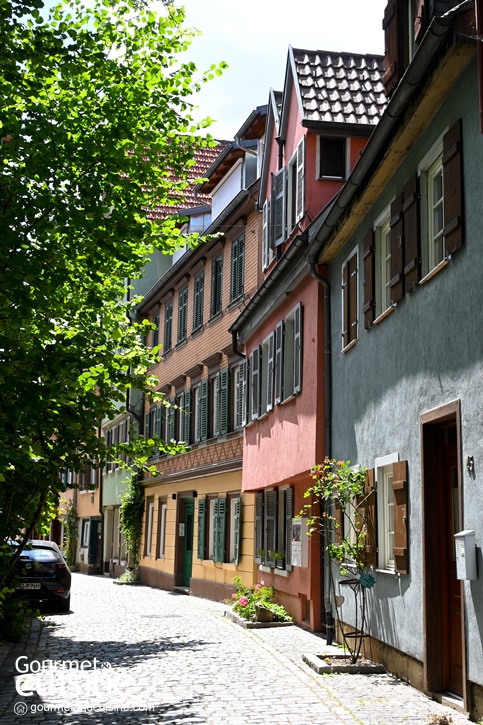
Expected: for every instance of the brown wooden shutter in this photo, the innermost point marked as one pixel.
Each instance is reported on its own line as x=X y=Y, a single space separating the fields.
x=397 y=249
x=345 y=305
x=412 y=234
x=369 y=279
x=420 y=20
x=453 y=189
x=390 y=26
x=353 y=298
x=400 y=488
x=370 y=503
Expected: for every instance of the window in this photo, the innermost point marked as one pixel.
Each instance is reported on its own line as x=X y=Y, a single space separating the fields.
x=390 y=538
x=168 y=327
x=184 y=417
x=237 y=268
x=182 y=314
x=216 y=285
x=215 y=403
x=383 y=263
x=220 y=392
x=162 y=528
x=292 y=353
x=239 y=394
x=155 y=335
x=332 y=158
x=196 y=413
x=255 y=379
x=149 y=526
x=277 y=207
x=85 y=533
x=198 y=302
x=273 y=528
x=435 y=213
x=267 y=374
x=296 y=186
x=200 y=412
x=268 y=254
x=219 y=528
x=349 y=299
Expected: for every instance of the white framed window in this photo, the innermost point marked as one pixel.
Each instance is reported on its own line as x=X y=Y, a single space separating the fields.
x=211 y=527
x=232 y=523
x=292 y=353
x=385 y=510
x=296 y=186
x=431 y=177
x=267 y=374
x=149 y=526
x=332 y=158
x=85 y=533
x=163 y=507
x=237 y=396
x=215 y=405
x=382 y=231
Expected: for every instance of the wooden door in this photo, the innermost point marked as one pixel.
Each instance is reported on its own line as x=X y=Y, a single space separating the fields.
x=451 y=591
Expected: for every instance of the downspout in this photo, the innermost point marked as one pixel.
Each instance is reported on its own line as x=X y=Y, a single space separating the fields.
x=479 y=46
x=327 y=594
x=236 y=351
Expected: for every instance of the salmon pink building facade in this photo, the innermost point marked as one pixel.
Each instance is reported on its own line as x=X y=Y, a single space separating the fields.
x=316 y=130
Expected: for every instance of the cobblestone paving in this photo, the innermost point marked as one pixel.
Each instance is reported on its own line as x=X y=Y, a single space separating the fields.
x=148 y=656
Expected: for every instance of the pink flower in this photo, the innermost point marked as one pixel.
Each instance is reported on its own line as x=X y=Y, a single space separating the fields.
x=258 y=586
x=233 y=596
x=243 y=601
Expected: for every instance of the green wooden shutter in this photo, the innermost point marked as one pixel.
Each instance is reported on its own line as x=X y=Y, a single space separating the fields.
x=255 y=360
x=270 y=526
x=238 y=529
x=219 y=529
x=259 y=540
x=279 y=333
x=155 y=337
x=368 y=258
x=300 y=175
x=278 y=207
x=241 y=265
x=270 y=370
x=171 y=420
x=297 y=349
x=223 y=396
x=201 y=528
x=216 y=286
x=203 y=410
x=198 y=302
x=187 y=416
x=244 y=397
x=168 y=327
x=146 y=426
x=158 y=416
x=288 y=528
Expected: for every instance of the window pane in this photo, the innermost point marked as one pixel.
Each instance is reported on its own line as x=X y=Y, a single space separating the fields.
x=332 y=158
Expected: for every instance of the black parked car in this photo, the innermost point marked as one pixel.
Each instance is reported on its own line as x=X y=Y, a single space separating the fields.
x=43 y=574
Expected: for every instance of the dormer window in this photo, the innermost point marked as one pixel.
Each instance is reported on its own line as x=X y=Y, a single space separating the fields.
x=332 y=158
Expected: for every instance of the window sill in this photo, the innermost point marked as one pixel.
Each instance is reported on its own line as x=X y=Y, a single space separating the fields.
x=384 y=314
x=166 y=355
x=281 y=572
x=349 y=346
x=265 y=569
x=196 y=332
x=181 y=344
x=217 y=316
x=435 y=271
x=235 y=303
x=289 y=399
x=391 y=572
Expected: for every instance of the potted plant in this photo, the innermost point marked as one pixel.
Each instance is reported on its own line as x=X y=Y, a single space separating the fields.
x=278 y=557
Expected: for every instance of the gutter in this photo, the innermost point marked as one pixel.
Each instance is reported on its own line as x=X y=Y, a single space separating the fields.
x=415 y=74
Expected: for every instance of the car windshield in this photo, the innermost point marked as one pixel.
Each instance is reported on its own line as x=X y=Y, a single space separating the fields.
x=44 y=555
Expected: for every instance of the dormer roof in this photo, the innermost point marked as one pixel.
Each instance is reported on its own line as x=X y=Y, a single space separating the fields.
x=334 y=88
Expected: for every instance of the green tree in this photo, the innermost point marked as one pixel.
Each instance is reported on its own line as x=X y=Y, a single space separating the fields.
x=96 y=131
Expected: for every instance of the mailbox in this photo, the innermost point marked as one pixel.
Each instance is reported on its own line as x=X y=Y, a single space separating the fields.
x=465 y=555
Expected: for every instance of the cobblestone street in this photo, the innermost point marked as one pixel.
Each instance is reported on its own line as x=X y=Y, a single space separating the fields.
x=149 y=656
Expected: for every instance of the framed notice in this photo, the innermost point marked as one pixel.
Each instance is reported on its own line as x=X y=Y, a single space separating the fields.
x=300 y=543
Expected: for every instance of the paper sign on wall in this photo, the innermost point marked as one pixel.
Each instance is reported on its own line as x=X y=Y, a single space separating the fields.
x=300 y=543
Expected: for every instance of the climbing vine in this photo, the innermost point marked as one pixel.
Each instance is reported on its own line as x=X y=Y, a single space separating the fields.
x=131 y=524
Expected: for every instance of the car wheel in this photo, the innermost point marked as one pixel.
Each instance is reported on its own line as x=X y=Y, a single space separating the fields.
x=64 y=604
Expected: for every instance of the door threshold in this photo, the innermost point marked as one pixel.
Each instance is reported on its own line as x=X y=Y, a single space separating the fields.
x=449 y=699
x=182 y=590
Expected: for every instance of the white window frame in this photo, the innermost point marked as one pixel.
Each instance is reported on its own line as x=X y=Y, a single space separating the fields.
x=211 y=528
x=426 y=170
x=195 y=412
x=86 y=525
x=231 y=524
x=149 y=528
x=237 y=394
x=215 y=399
x=268 y=253
x=383 y=468
x=382 y=228
x=163 y=507
x=347 y=152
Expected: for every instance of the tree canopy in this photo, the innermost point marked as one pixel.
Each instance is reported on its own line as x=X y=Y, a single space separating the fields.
x=96 y=130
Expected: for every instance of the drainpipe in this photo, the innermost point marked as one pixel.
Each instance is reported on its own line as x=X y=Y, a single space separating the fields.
x=479 y=45
x=327 y=593
x=236 y=351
